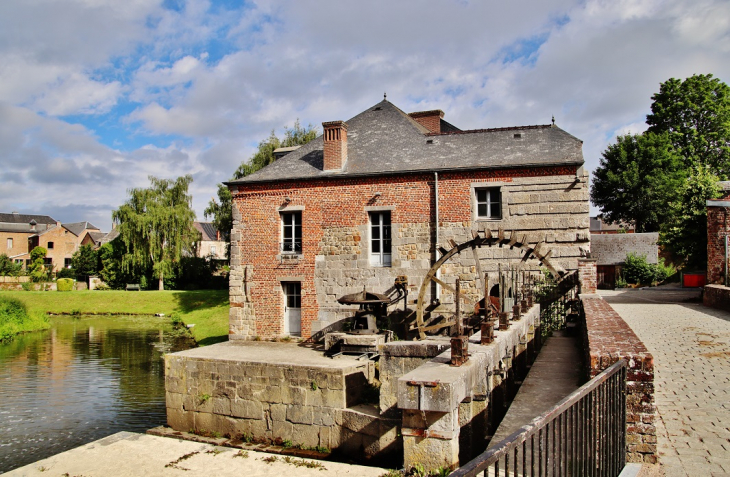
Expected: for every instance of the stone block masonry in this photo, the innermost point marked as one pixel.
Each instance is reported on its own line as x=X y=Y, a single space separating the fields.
x=607 y=339
x=542 y=203
x=276 y=392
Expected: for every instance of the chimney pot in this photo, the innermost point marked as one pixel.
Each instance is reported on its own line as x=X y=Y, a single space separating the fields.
x=335 y=144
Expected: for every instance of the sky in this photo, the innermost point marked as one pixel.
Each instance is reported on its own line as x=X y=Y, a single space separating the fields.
x=97 y=95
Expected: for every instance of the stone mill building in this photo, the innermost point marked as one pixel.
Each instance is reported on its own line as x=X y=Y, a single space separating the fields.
x=377 y=196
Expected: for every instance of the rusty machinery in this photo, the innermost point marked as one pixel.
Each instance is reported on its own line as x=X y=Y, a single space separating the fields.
x=488 y=306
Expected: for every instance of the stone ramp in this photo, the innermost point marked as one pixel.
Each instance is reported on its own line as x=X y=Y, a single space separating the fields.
x=128 y=454
x=554 y=375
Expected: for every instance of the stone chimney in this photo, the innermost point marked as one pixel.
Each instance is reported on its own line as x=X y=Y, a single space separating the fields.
x=431 y=120
x=335 y=144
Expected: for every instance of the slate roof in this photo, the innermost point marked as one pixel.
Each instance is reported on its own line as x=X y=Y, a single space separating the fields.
x=207 y=230
x=77 y=228
x=108 y=237
x=97 y=236
x=384 y=140
x=22 y=222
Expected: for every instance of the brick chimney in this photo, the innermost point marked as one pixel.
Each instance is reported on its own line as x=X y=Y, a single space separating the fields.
x=431 y=120
x=335 y=144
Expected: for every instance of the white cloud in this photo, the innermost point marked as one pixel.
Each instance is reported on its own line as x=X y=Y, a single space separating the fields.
x=194 y=90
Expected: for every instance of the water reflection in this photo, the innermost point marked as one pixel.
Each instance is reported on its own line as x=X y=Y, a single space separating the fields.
x=81 y=380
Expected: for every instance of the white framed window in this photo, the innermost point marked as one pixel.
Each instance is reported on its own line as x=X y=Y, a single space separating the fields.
x=291 y=232
x=10 y=243
x=212 y=249
x=488 y=202
x=380 y=239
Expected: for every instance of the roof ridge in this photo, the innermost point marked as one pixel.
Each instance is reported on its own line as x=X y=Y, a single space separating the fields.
x=509 y=128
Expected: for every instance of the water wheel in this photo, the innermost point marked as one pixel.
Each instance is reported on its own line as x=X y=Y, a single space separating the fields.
x=480 y=239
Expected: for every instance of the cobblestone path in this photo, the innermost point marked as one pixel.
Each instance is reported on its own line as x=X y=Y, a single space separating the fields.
x=691 y=348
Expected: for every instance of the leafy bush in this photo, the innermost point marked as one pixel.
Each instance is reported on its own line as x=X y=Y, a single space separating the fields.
x=37 y=269
x=8 y=268
x=64 y=284
x=664 y=270
x=66 y=273
x=638 y=270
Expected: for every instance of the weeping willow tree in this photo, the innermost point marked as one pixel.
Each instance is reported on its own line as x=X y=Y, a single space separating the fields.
x=156 y=226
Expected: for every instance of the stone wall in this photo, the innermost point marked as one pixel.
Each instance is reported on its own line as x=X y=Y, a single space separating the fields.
x=607 y=339
x=448 y=412
x=306 y=404
x=717 y=296
x=545 y=204
x=611 y=249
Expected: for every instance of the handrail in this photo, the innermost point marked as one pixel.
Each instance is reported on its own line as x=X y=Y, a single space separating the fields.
x=596 y=435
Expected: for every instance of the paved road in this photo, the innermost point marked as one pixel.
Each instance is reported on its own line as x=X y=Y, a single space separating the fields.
x=691 y=348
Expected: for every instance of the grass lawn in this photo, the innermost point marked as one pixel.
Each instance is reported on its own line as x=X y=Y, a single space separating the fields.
x=206 y=309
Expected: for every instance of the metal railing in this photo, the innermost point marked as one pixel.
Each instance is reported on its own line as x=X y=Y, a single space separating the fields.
x=557 y=300
x=583 y=435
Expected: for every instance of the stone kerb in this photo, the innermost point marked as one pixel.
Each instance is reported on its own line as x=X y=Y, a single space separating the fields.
x=433 y=396
x=607 y=338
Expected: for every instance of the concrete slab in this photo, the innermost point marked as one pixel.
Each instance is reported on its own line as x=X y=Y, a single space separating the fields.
x=280 y=353
x=129 y=454
x=554 y=375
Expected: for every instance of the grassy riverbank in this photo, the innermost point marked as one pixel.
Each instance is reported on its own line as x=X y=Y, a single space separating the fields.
x=15 y=319
x=206 y=309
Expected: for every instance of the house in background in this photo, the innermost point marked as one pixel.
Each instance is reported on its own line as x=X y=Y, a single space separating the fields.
x=211 y=245
x=15 y=230
x=61 y=242
x=375 y=197
x=21 y=233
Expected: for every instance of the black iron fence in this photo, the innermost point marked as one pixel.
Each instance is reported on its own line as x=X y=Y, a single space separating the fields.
x=558 y=301
x=583 y=435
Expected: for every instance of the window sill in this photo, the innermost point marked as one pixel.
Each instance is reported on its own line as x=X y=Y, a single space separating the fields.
x=289 y=256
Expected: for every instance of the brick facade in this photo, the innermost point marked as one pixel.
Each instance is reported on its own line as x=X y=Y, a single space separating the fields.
x=545 y=203
x=607 y=338
x=718 y=227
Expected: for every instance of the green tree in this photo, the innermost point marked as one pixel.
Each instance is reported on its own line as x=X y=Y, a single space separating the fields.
x=8 y=268
x=156 y=226
x=85 y=261
x=684 y=234
x=37 y=267
x=636 y=179
x=221 y=210
x=696 y=115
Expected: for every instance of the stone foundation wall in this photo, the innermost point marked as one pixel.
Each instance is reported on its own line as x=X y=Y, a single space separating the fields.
x=310 y=406
x=607 y=338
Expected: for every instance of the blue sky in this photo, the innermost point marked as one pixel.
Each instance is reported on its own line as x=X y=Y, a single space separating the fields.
x=96 y=95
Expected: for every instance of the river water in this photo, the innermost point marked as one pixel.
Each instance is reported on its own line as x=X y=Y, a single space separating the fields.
x=84 y=379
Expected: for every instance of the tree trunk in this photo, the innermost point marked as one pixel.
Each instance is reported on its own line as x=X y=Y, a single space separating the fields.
x=162 y=283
